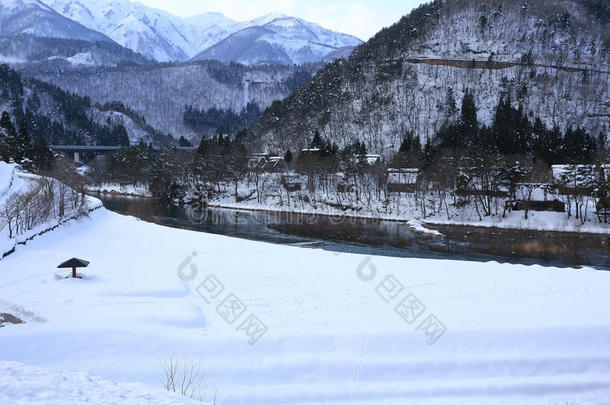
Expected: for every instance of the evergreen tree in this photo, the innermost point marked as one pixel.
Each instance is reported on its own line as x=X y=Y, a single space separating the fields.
x=603 y=196
x=316 y=142
x=288 y=156
x=42 y=156
x=23 y=151
x=409 y=143
x=8 y=138
x=511 y=129
x=602 y=141
x=121 y=136
x=428 y=152
x=203 y=147
x=450 y=104
x=501 y=128
x=573 y=145
x=183 y=142
x=468 y=128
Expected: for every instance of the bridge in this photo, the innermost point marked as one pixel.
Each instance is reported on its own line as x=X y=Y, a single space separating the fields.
x=76 y=150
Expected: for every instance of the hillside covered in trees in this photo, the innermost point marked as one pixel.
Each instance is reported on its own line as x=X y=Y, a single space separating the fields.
x=60 y=117
x=549 y=59
x=162 y=93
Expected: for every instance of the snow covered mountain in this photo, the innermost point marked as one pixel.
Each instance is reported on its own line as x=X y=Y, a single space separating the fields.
x=550 y=56
x=58 y=54
x=35 y=18
x=279 y=39
x=152 y=33
x=164 y=37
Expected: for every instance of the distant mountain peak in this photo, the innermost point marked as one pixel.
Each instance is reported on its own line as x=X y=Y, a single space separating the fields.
x=267 y=18
x=164 y=37
x=36 y=18
x=280 y=39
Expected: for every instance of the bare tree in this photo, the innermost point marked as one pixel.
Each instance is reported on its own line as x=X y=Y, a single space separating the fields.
x=183 y=375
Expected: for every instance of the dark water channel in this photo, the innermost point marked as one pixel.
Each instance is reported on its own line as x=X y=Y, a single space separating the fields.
x=376 y=237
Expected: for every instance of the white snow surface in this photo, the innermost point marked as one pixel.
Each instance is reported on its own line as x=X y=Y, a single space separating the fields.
x=84 y=58
x=34 y=17
x=8 y=178
x=514 y=333
x=279 y=39
x=23 y=384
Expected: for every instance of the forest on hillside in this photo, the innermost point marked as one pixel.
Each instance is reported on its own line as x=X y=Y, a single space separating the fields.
x=550 y=57
x=159 y=93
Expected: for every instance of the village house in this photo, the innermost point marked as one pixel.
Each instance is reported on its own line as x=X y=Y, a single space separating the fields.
x=292 y=182
x=257 y=161
x=402 y=180
x=275 y=164
x=311 y=151
x=373 y=159
x=265 y=163
x=537 y=197
x=578 y=179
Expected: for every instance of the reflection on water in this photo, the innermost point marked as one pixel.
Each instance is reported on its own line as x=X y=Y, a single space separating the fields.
x=354 y=235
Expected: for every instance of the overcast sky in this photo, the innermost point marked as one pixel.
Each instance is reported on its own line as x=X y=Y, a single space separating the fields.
x=361 y=18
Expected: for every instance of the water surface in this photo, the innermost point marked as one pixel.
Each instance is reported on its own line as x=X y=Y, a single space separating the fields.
x=374 y=237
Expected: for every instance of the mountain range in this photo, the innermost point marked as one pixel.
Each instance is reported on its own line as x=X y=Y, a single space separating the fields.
x=550 y=58
x=163 y=37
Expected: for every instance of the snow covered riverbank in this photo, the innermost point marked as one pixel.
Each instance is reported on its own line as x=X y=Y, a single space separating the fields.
x=31 y=205
x=130 y=190
x=397 y=208
x=330 y=328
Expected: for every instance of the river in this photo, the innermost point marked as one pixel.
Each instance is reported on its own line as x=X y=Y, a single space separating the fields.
x=375 y=237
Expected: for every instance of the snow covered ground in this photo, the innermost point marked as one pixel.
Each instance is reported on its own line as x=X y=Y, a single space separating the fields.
x=15 y=183
x=10 y=183
x=23 y=384
x=274 y=324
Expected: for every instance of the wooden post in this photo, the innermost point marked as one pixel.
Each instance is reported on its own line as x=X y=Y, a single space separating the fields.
x=73 y=272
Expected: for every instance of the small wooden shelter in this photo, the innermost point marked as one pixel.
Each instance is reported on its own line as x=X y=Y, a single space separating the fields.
x=73 y=263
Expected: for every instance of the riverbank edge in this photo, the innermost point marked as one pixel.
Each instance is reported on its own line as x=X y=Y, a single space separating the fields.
x=117 y=193
x=428 y=228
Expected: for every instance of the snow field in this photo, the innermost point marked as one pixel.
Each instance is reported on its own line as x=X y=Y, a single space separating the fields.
x=514 y=334
x=22 y=384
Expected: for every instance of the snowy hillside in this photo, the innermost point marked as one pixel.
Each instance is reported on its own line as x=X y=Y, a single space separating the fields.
x=31 y=205
x=334 y=328
x=64 y=118
x=10 y=184
x=164 y=37
x=282 y=40
x=161 y=92
x=35 y=18
x=64 y=54
x=551 y=56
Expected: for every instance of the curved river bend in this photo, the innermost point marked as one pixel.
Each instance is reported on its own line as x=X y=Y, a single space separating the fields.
x=376 y=237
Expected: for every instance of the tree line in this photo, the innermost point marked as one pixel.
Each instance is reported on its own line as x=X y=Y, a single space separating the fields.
x=512 y=133
x=218 y=120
